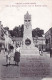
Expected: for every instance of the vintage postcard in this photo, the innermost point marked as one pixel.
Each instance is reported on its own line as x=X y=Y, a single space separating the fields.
x=25 y=39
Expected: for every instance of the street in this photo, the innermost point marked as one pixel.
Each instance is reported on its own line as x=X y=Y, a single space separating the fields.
x=31 y=67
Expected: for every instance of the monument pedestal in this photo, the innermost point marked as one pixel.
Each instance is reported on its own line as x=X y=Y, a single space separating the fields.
x=29 y=51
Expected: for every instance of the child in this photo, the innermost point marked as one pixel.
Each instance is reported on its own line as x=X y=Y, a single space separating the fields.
x=17 y=56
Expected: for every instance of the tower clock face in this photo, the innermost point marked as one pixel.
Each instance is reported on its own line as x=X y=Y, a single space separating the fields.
x=27 y=42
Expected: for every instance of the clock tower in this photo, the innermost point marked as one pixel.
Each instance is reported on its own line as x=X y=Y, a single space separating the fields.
x=28 y=46
x=27 y=35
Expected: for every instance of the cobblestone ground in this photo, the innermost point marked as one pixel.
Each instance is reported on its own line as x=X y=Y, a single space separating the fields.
x=31 y=67
x=11 y=72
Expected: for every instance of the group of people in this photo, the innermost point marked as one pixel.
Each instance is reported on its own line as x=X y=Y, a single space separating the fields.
x=12 y=53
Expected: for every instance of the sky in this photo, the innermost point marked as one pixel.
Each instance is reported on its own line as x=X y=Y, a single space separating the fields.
x=12 y=14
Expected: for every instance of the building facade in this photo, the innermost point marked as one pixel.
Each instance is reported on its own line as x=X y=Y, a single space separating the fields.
x=48 y=38
x=1 y=36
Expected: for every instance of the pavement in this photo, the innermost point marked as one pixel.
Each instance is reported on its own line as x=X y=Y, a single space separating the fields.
x=31 y=67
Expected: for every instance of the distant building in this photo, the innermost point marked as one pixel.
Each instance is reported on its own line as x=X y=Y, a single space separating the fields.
x=8 y=40
x=1 y=36
x=48 y=38
x=39 y=41
x=4 y=37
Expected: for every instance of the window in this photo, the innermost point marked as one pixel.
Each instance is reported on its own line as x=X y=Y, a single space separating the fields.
x=28 y=20
x=25 y=20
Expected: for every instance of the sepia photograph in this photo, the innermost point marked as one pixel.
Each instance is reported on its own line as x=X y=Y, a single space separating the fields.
x=25 y=39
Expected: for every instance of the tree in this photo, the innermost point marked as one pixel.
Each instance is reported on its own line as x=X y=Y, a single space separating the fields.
x=11 y=33
x=18 y=31
x=6 y=28
x=37 y=32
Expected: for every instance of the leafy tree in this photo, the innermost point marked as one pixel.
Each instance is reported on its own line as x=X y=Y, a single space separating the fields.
x=18 y=31
x=37 y=32
x=11 y=33
x=6 y=28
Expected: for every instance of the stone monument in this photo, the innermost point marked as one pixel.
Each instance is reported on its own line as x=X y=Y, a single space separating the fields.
x=28 y=45
x=27 y=35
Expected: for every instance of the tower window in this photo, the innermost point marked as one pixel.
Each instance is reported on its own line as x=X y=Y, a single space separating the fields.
x=25 y=20
x=28 y=20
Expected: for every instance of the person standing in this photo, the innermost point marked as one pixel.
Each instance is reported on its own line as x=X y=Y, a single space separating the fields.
x=8 y=57
x=17 y=56
x=50 y=52
x=6 y=53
